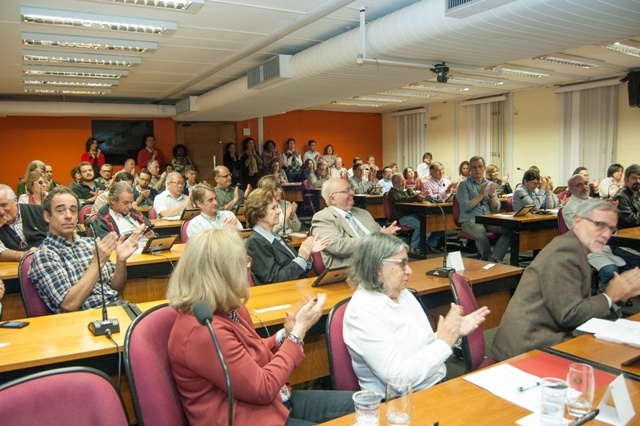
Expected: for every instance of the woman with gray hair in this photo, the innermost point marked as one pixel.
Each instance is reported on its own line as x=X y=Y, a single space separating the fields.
x=386 y=330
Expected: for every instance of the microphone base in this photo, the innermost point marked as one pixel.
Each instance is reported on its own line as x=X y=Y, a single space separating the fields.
x=440 y=272
x=99 y=328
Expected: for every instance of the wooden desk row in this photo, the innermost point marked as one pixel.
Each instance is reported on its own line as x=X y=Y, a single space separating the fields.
x=458 y=402
x=629 y=237
x=56 y=339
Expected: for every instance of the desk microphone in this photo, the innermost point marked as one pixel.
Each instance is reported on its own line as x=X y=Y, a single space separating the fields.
x=100 y=328
x=202 y=311
x=444 y=271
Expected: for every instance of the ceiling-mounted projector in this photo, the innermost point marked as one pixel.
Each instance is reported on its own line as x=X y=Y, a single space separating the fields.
x=441 y=71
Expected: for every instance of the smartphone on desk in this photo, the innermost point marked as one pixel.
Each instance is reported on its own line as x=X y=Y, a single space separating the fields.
x=13 y=324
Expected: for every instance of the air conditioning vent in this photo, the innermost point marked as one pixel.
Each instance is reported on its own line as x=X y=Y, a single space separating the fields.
x=465 y=8
x=273 y=71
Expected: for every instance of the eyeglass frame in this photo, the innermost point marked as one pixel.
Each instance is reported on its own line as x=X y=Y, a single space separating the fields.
x=404 y=262
x=602 y=226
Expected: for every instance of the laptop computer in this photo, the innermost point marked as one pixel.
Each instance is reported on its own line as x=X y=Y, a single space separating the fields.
x=375 y=190
x=559 y=189
x=189 y=214
x=158 y=244
x=524 y=210
x=332 y=275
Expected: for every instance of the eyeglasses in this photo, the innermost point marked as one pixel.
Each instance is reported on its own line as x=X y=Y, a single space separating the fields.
x=602 y=227
x=40 y=182
x=344 y=191
x=402 y=262
x=178 y=183
x=224 y=176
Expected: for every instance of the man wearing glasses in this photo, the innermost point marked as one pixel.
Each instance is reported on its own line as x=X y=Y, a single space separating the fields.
x=22 y=226
x=229 y=198
x=343 y=223
x=554 y=293
x=170 y=203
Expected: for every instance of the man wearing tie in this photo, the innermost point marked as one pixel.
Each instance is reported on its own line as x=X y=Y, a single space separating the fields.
x=343 y=223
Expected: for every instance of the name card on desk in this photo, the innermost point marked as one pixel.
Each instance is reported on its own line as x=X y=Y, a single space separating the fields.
x=454 y=260
x=621 y=410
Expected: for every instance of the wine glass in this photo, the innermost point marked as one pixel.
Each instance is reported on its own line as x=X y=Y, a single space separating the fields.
x=581 y=382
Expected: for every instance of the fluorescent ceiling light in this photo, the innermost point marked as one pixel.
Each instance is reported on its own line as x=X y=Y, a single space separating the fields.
x=412 y=94
x=56 y=71
x=519 y=72
x=574 y=63
x=89 y=43
x=64 y=18
x=68 y=82
x=480 y=81
x=376 y=99
x=65 y=91
x=443 y=87
x=623 y=48
x=184 y=5
x=355 y=103
x=79 y=58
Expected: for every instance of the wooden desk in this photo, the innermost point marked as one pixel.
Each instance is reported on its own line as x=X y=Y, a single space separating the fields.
x=458 y=402
x=164 y=227
x=371 y=203
x=602 y=354
x=628 y=237
x=430 y=217
x=531 y=232
x=292 y=191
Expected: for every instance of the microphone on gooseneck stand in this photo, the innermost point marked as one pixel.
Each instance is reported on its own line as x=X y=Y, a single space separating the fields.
x=100 y=328
x=444 y=271
x=202 y=311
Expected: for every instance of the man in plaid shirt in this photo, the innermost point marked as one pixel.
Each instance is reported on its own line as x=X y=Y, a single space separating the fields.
x=64 y=268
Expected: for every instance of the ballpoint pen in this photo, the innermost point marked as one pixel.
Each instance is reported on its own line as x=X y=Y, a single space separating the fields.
x=535 y=385
x=631 y=361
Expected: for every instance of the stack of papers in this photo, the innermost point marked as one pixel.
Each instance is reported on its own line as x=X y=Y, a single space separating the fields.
x=620 y=331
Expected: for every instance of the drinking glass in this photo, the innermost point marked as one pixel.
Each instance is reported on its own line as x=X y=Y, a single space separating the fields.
x=367 y=404
x=554 y=395
x=398 y=401
x=581 y=384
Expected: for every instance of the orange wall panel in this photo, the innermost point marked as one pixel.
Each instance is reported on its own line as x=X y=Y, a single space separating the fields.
x=351 y=134
x=58 y=141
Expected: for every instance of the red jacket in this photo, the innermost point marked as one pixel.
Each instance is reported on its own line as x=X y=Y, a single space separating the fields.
x=258 y=369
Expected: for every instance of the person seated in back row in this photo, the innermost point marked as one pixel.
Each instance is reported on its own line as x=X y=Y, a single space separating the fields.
x=22 y=226
x=204 y=197
x=536 y=191
x=170 y=203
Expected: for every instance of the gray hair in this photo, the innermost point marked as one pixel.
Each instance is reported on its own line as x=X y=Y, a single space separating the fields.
x=6 y=188
x=173 y=175
x=368 y=257
x=585 y=210
x=118 y=188
x=328 y=188
x=396 y=178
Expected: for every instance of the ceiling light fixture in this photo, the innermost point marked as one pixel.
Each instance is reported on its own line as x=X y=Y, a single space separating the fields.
x=63 y=18
x=479 y=81
x=67 y=82
x=412 y=94
x=623 y=48
x=79 y=58
x=556 y=60
x=61 y=91
x=377 y=99
x=183 y=5
x=56 y=71
x=446 y=88
x=358 y=104
x=89 y=43
x=518 y=72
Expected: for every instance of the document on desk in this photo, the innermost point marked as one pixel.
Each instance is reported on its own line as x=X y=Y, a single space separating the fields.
x=510 y=383
x=622 y=331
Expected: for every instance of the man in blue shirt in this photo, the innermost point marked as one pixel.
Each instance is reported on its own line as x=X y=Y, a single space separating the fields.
x=477 y=196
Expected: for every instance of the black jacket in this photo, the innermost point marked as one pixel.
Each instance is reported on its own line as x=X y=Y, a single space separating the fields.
x=628 y=208
x=34 y=228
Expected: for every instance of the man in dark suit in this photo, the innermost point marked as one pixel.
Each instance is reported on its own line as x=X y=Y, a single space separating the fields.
x=343 y=223
x=554 y=294
x=22 y=226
